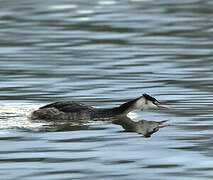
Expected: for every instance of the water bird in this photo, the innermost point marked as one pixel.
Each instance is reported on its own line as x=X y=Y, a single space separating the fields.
x=71 y=110
x=144 y=127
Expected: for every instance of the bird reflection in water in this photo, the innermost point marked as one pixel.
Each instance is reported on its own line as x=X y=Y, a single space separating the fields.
x=144 y=127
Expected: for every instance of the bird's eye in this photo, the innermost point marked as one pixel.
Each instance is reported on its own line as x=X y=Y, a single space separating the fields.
x=155 y=102
x=155 y=129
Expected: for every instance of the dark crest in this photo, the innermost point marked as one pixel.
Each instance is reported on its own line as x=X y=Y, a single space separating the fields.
x=150 y=98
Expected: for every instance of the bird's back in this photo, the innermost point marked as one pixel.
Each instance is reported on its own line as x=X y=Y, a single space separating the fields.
x=67 y=110
x=68 y=106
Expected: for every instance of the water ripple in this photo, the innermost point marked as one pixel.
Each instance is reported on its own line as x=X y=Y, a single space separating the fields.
x=103 y=53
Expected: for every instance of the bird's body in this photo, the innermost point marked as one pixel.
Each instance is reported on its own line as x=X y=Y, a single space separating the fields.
x=71 y=110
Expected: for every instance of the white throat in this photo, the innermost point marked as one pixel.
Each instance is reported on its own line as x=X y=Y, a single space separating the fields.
x=141 y=104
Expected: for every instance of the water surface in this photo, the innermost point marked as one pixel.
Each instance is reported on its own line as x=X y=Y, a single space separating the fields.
x=103 y=53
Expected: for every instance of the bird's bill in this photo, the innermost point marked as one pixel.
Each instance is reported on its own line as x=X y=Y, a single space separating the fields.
x=162 y=125
x=162 y=106
x=162 y=122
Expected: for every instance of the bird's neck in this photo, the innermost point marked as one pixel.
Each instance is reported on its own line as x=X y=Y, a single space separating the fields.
x=126 y=123
x=129 y=106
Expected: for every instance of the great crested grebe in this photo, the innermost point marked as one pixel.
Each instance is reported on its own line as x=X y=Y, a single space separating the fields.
x=147 y=128
x=70 y=110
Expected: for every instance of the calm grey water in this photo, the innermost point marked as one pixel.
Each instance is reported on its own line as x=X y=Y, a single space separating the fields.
x=103 y=53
